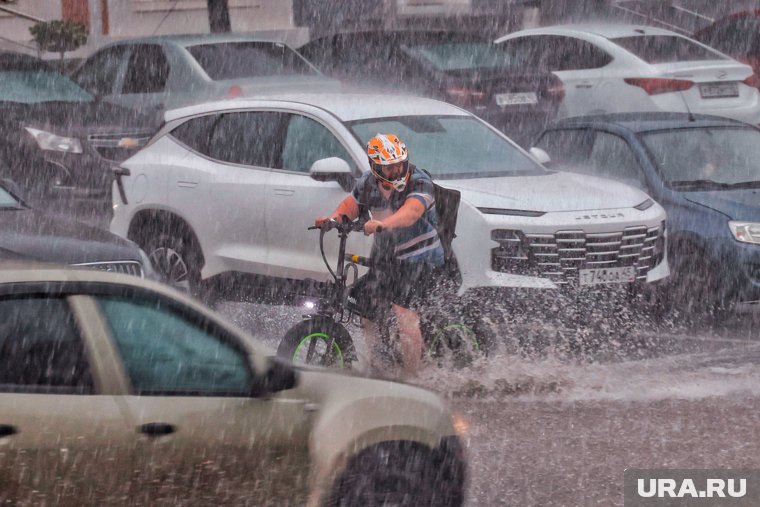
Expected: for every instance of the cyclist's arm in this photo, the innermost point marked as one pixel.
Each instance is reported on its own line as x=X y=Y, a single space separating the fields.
x=348 y=207
x=406 y=215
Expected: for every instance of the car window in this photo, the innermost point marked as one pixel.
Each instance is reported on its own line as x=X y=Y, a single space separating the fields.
x=460 y=55
x=612 y=157
x=452 y=146
x=666 y=48
x=147 y=71
x=35 y=86
x=195 y=133
x=250 y=138
x=236 y=60
x=567 y=148
x=40 y=347
x=307 y=141
x=568 y=53
x=99 y=73
x=164 y=353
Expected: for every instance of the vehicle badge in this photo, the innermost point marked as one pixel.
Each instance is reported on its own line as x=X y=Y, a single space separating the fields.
x=128 y=142
x=722 y=74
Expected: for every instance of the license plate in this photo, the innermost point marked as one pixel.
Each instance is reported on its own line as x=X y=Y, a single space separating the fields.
x=515 y=99
x=596 y=276
x=718 y=90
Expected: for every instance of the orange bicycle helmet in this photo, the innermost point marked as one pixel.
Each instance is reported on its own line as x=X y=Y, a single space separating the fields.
x=385 y=150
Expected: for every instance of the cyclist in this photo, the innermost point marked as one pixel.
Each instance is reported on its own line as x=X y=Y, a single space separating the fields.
x=407 y=248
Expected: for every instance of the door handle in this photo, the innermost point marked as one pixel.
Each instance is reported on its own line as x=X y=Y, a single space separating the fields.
x=157 y=429
x=284 y=191
x=584 y=85
x=7 y=430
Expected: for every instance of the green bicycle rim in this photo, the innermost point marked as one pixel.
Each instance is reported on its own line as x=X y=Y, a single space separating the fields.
x=326 y=338
x=458 y=325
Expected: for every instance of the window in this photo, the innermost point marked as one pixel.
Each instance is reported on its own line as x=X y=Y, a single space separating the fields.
x=40 y=347
x=252 y=138
x=567 y=53
x=234 y=60
x=611 y=157
x=307 y=141
x=666 y=49
x=567 y=148
x=147 y=72
x=99 y=73
x=195 y=133
x=164 y=353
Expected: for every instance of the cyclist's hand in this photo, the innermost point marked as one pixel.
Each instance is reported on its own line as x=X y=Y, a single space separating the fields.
x=372 y=226
x=321 y=220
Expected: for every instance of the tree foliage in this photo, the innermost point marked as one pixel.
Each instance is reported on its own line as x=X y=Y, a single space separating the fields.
x=59 y=36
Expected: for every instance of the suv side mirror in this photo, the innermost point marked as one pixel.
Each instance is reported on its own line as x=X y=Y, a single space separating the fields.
x=540 y=155
x=333 y=169
x=280 y=376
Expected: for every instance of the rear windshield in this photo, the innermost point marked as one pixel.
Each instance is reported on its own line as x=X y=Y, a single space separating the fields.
x=462 y=55
x=235 y=60
x=666 y=49
x=34 y=86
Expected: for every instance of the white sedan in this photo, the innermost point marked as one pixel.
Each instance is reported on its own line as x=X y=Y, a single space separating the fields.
x=628 y=68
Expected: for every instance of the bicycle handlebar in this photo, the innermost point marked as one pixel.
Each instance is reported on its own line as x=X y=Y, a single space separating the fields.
x=352 y=226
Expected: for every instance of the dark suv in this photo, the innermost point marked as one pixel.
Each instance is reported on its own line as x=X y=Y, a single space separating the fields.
x=57 y=138
x=704 y=170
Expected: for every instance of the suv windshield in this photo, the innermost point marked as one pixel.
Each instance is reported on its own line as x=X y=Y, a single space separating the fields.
x=452 y=147
x=235 y=60
x=32 y=86
x=666 y=49
x=451 y=56
x=702 y=158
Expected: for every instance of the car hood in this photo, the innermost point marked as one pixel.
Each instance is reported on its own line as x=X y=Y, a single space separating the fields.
x=551 y=192
x=75 y=118
x=739 y=204
x=30 y=234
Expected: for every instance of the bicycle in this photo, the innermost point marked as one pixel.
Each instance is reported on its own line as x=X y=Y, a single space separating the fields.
x=321 y=338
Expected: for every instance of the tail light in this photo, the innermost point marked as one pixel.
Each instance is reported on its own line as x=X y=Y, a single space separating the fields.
x=234 y=92
x=464 y=97
x=656 y=85
x=556 y=90
x=752 y=80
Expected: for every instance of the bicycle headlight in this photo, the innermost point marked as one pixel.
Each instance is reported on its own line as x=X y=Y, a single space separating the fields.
x=746 y=232
x=52 y=142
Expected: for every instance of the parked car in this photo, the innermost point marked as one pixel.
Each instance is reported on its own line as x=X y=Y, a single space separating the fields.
x=738 y=36
x=629 y=68
x=227 y=189
x=704 y=170
x=465 y=69
x=57 y=138
x=114 y=389
x=30 y=234
x=153 y=74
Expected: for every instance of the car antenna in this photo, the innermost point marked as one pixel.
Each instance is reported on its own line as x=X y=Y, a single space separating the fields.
x=688 y=109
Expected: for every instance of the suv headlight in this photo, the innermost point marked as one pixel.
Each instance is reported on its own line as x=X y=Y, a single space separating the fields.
x=53 y=142
x=746 y=232
x=645 y=205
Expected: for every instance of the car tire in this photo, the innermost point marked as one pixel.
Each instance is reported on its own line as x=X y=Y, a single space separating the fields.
x=177 y=260
x=399 y=473
x=318 y=331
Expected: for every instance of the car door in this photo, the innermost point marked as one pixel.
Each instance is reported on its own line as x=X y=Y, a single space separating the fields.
x=63 y=437
x=295 y=200
x=143 y=87
x=199 y=436
x=102 y=72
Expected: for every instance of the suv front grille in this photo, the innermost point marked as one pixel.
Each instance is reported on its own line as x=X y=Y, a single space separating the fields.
x=133 y=268
x=118 y=147
x=559 y=256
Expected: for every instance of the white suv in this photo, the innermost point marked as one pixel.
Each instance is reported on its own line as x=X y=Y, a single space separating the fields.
x=227 y=189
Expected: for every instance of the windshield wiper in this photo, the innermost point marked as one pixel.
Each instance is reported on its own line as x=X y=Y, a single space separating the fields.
x=710 y=185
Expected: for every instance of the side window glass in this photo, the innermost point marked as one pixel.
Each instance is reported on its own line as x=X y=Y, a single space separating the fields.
x=611 y=157
x=251 y=138
x=164 y=353
x=575 y=54
x=40 y=347
x=527 y=50
x=147 y=71
x=99 y=73
x=307 y=141
x=568 y=149
x=195 y=133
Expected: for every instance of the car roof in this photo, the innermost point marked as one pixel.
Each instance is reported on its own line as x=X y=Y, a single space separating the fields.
x=185 y=40
x=645 y=122
x=606 y=30
x=345 y=106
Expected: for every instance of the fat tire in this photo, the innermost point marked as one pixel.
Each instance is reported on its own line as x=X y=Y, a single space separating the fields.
x=322 y=326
